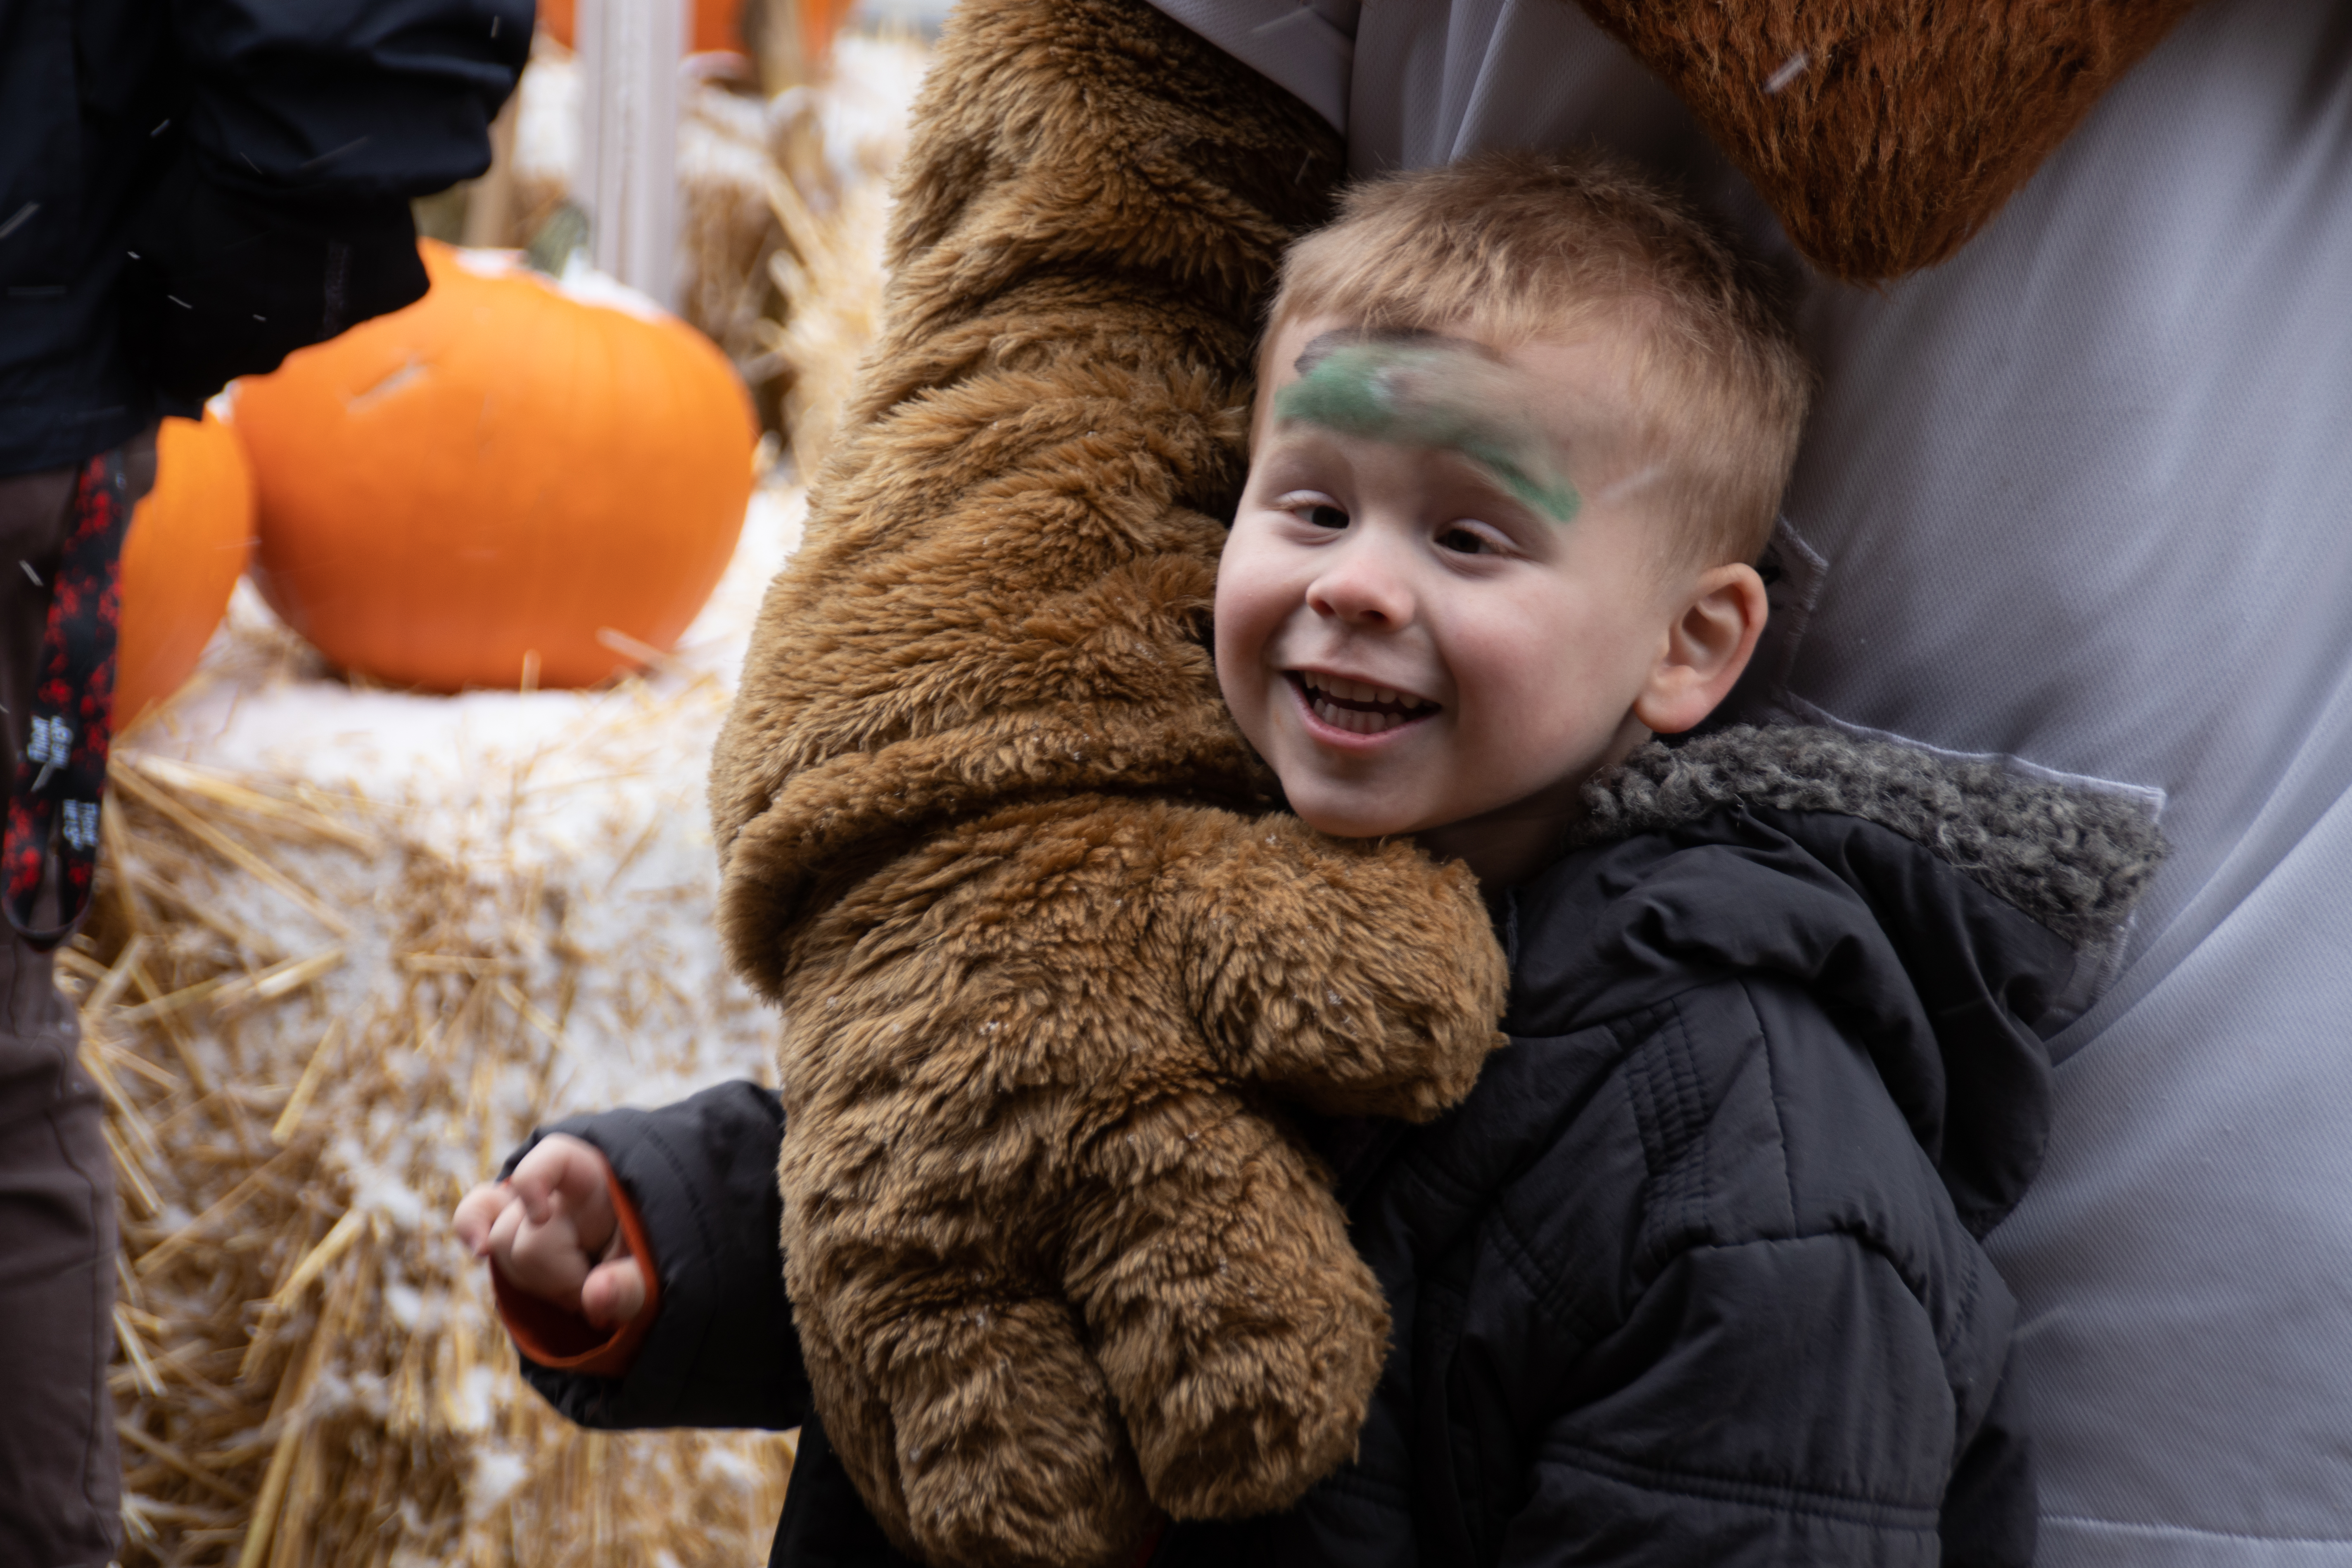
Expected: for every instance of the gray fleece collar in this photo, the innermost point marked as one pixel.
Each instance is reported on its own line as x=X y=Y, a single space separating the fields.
x=2074 y=860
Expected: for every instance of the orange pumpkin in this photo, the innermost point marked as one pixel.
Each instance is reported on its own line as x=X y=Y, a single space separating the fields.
x=187 y=543
x=482 y=483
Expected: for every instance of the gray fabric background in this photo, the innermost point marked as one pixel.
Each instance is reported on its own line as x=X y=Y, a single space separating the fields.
x=2081 y=498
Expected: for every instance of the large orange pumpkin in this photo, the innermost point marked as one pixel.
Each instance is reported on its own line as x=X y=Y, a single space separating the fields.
x=187 y=544
x=474 y=487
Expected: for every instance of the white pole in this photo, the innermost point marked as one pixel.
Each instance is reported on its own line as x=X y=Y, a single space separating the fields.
x=629 y=53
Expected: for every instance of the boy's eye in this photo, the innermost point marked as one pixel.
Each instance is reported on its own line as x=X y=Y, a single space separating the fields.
x=1466 y=540
x=1324 y=515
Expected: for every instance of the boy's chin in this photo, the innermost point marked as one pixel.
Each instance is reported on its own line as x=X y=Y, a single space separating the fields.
x=1352 y=819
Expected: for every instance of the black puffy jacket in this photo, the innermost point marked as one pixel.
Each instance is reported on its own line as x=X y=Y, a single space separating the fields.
x=190 y=189
x=1694 y=1276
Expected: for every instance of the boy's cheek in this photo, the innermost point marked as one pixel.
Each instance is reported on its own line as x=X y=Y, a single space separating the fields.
x=1261 y=588
x=1223 y=653
x=1244 y=699
x=1233 y=627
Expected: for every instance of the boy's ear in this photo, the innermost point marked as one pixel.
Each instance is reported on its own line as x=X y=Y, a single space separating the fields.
x=1707 y=647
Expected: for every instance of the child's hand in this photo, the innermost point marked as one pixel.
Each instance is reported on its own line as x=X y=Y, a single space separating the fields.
x=550 y=1231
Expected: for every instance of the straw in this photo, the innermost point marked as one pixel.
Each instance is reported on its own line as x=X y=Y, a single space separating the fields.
x=310 y=1372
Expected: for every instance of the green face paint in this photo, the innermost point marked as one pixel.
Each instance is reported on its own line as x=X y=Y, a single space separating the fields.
x=1450 y=398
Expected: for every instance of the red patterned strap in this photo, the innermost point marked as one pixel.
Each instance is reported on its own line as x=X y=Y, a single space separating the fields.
x=52 y=836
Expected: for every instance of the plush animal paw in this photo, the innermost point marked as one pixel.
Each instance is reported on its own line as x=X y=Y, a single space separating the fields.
x=1352 y=977
x=1056 y=1252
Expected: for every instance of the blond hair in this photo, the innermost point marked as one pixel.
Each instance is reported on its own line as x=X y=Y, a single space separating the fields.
x=1508 y=246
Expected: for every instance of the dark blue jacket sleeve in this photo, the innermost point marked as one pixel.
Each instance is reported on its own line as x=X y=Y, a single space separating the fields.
x=190 y=190
x=283 y=217
x=722 y=1351
x=352 y=98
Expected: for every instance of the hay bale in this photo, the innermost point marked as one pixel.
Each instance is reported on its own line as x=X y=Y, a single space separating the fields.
x=311 y=1371
x=350 y=946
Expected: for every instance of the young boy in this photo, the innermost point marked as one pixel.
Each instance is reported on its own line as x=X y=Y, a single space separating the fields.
x=1694 y=1276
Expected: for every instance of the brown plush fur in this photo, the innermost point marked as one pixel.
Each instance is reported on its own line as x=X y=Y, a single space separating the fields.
x=1910 y=123
x=1049 y=962
x=1050 y=965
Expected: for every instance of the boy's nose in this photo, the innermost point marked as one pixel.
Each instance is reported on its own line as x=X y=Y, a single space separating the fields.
x=1360 y=588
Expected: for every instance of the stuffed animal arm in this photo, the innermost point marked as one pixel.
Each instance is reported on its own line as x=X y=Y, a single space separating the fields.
x=1053 y=965
x=1056 y=1256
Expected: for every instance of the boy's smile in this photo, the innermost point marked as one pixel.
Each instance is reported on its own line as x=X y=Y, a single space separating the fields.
x=1415 y=647
x=1357 y=707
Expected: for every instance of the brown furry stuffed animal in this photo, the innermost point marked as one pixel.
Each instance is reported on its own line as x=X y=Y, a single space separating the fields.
x=1049 y=967
x=1051 y=964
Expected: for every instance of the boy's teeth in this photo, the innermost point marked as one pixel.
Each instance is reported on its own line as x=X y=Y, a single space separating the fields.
x=1325 y=692
x=1354 y=721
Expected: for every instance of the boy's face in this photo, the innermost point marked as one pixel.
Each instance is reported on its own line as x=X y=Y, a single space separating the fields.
x=1450 y=619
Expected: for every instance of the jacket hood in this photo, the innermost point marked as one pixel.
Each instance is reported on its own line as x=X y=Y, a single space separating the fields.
x=1950 y=914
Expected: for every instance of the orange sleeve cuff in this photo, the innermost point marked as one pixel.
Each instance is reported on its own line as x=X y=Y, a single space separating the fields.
x=566 y=1342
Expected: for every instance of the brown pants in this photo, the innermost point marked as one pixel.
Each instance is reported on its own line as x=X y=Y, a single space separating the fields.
x=60 y=1482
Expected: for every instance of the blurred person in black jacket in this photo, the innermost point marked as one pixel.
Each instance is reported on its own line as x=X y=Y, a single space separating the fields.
x=189 y=190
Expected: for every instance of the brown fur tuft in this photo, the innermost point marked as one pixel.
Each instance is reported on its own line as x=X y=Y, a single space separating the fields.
x=1048 y=956
x=1884 y=135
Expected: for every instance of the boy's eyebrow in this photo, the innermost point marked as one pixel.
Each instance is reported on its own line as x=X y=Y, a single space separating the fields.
x=1321 y=346
x=1423 y=391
